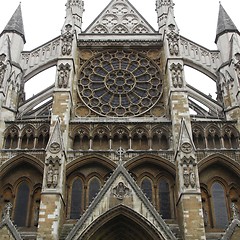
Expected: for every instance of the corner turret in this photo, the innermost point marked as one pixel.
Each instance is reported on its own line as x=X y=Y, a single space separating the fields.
x=225 y=29
x=74 y=12
x=162 y=9
x=14 y=31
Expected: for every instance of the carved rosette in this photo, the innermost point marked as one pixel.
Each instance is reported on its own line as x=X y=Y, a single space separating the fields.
x=120 y=191
x=63 y=75
x=177 y=75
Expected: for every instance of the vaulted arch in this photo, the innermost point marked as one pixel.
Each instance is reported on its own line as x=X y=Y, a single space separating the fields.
x=121 y=223
x=93 y=159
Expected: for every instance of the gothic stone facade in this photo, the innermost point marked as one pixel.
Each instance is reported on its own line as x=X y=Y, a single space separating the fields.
x=113 y=150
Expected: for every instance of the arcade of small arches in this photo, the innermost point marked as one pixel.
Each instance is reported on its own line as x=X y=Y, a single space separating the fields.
x=28 y=137
x=211 y=136
x=157 y=180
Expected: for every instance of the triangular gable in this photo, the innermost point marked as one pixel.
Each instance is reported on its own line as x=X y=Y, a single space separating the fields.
x=120 y=17
x=8 y=230
x=185 y=138
x=55 y=143
x=121 y=189
x=233 y=231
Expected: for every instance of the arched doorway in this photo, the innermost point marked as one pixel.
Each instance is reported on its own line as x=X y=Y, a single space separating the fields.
x=121 y=223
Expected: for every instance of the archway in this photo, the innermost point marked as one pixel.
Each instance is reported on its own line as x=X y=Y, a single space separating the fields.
x=121 y=223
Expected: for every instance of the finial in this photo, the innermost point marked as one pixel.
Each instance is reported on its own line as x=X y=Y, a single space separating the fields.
x=7 y=211
x=120 y=152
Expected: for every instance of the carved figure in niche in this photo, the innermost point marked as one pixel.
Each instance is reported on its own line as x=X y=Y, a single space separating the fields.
x=63 y=75
x=67 y=39
x=189 y=177
x=177 y=78
x=3 y=67
x=192 y=176
x=186 y=178
x=55 y=177
x=50 y=176
x=120 y=191
x=173 y=40
x=53 y=166
x=235 y=212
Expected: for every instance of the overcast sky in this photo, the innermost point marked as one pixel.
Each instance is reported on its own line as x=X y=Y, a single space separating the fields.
x=43 y=20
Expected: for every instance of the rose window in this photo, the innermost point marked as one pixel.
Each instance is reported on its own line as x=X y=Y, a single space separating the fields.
x=120 y=83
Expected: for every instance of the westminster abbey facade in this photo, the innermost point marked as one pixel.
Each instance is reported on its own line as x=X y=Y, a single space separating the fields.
x=121 y=146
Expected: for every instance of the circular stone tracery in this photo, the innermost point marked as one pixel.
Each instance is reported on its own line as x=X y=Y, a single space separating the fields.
x=120 y=83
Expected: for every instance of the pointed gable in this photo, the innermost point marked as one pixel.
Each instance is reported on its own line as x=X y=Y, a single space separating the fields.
x=15 y=24
x=120 y=17
x=185 y=143
x=225 y=23
x=121 y=190
x=7 y=229
x=55 y=143
x=233 y=231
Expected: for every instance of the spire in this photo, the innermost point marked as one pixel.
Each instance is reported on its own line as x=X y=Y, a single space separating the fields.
x=225 y=23
x=15 y=24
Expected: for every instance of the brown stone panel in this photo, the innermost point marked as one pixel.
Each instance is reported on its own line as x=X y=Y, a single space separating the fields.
x=190 y=213
x=51 y=209
x=5 y=234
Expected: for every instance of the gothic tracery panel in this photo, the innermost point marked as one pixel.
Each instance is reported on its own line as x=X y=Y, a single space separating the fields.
x=120 y=83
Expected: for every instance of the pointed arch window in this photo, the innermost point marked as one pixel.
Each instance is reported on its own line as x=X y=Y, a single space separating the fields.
x=164 y=199
x=21 y=205
x=219 y=205
x=146 y=187
x=94 y=187
x=76 y=199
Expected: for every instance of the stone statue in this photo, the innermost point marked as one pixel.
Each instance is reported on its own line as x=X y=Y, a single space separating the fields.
x=186 y=176
x=50 y=176
x=192 y=177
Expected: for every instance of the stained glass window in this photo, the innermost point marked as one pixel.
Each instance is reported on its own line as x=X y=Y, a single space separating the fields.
x=76 y=199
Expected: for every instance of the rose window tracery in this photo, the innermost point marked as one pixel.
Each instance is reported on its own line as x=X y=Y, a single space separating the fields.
x=120 y=83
